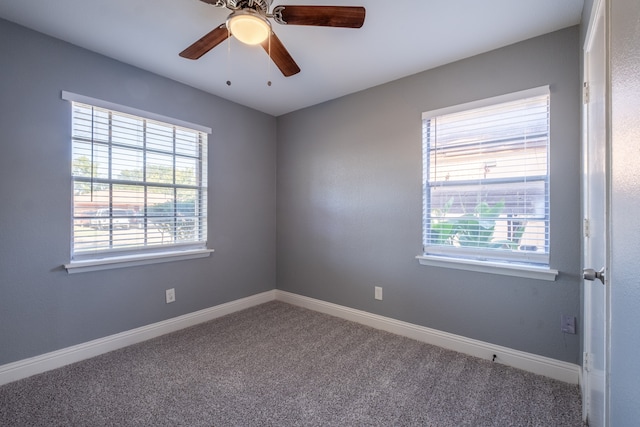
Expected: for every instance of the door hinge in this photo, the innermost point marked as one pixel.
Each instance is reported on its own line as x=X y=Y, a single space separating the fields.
x=585 y=227
x=585 y=362
x=585 y=92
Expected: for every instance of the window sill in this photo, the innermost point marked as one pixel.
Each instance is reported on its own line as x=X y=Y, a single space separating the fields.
x=134 y=260
x=517 y=270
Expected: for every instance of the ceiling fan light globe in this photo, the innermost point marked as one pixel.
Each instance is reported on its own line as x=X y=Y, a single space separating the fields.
x=249 y=28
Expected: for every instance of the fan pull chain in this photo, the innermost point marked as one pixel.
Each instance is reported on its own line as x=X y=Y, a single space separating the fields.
x=269 y=64
x=228 y=57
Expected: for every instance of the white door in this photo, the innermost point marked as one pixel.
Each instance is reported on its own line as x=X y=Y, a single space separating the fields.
x=595 y=210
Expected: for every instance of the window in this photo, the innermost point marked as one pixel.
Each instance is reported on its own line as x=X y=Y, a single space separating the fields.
x=486 y=180
x=139 y=184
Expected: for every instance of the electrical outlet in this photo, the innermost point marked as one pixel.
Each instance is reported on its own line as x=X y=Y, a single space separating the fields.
x=568 y=325
x=378 y=293
x=170 y=295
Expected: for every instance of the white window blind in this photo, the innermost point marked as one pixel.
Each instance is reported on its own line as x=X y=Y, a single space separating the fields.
x=139 y=184
x=486 y=179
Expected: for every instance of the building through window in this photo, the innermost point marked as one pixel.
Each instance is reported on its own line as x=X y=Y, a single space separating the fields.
x=486 y=179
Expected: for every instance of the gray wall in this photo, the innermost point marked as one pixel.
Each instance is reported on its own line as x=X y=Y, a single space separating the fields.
x=349 y=202
x=42 y=308
x=625 y=202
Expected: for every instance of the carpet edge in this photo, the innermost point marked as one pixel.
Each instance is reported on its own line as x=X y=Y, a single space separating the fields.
x=56 y=359
x=540 y=365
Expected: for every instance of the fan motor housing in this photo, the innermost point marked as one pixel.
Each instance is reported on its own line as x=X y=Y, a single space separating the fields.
x=257 y=5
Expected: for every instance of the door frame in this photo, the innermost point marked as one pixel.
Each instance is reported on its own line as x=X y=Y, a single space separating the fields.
x=599 y=8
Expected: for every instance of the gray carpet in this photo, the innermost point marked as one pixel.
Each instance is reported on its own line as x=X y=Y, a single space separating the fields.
x=280 y=365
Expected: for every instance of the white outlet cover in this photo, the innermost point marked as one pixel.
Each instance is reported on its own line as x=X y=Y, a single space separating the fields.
x=170 y=295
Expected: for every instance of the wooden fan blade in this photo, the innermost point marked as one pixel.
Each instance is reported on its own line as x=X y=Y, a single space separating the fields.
x=280 y=56
x=206 y=43
x=324 y=16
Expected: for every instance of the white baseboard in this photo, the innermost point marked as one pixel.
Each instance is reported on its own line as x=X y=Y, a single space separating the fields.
x=552 y=368
x=56 y=359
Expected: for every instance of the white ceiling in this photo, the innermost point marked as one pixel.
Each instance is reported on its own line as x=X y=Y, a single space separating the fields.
x=398 y=38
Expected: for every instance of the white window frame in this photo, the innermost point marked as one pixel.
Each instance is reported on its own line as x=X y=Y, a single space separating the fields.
x=101 y=260
x=528 y=265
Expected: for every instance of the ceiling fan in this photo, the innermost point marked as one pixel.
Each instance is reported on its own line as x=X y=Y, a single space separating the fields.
x=249 y=23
